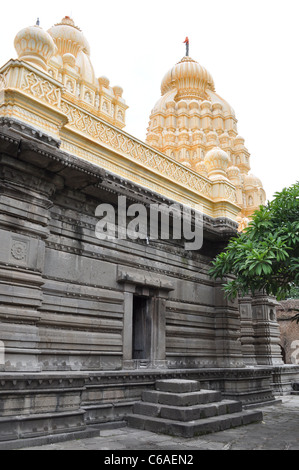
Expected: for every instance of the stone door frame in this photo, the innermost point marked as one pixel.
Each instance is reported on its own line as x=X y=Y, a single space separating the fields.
x=138 y=282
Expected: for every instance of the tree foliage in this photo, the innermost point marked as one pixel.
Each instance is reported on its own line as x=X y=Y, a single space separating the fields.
x=294 y=293
x=266 y=255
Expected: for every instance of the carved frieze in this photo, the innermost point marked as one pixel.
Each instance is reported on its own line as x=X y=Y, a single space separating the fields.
x=3 y=82
x=134 y=149
x=19 y=178
x=41 y=89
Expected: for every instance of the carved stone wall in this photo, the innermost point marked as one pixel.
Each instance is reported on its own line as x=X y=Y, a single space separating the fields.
x=67 y=300
x=66 y=295
x=260 y=334
x=63 y=295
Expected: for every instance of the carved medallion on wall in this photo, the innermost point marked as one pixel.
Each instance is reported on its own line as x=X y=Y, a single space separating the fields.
x=19 y=250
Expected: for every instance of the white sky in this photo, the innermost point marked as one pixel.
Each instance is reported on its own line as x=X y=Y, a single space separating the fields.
x=249 y=46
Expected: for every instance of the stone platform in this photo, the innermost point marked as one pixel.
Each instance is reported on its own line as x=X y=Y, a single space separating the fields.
x=181 y=408
x=278 y=431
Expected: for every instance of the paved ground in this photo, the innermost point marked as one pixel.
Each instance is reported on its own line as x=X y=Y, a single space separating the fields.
x=278 y=431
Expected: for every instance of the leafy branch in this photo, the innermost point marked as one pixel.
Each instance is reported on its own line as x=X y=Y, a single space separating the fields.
x=266 y=255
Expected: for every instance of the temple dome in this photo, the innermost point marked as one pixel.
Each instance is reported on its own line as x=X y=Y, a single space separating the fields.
x=190 y=120
x=233 y=171
x=216 y=161
x=201 y=168
x=35 y=45
x=71 y=42
x=234 y=174
x=252 y=181
x=69 y=38
x=189 y=78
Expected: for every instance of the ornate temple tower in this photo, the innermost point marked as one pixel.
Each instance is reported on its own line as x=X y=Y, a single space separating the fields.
x=87 y=324
x=63 y=52
x=195 y=126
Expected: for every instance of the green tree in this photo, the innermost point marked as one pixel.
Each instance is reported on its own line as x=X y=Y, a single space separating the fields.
x=266 y=255
x=294 y=292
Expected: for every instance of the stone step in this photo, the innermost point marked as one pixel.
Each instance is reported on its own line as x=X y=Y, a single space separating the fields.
x=178 y=386
x=181 y=399
x=193 y=428
x=187 y=413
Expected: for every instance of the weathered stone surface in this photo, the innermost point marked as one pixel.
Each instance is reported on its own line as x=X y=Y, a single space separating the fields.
x=187 y=413
x=197 y=428
x=183 y=399
x=50 y=404
x=189 y=420
x=67 y=300
x=177 y=386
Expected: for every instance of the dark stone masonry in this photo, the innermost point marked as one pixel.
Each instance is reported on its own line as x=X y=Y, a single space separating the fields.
x=71 y=304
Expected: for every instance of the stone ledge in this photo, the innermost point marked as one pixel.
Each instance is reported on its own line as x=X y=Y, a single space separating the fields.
x=196 y=428
x=178 y=385
x=39 y=425
x=181 y=399
x=91 y=431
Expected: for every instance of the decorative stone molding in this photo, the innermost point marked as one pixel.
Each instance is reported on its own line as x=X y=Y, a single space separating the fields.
x=3 y=83
x=132 y=276
x=104 y=133
x=41 y=89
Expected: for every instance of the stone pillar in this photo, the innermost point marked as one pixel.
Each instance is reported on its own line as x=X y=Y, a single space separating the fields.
x=25 y=202
x=127 y=327
x=266 y=330
x=227 y=330
x=247 y=331
x=159 y=330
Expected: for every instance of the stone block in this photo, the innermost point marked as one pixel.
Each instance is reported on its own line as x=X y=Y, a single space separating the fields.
x=147 y=409
x=8 y=429
x=113 y=395
x=232 y=406
x=181 y=399
x=136 y=421
x=36 y=425
x=236 y=420
x=251 y=417
x=150 y=396
x=188 y=413
x=178 y=386
x=183 y=429
x=181 y=414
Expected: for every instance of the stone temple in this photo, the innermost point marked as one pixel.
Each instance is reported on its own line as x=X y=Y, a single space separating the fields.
x=88 y=324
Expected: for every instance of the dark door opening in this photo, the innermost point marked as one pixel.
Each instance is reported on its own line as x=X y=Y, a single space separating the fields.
x=141 y=328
